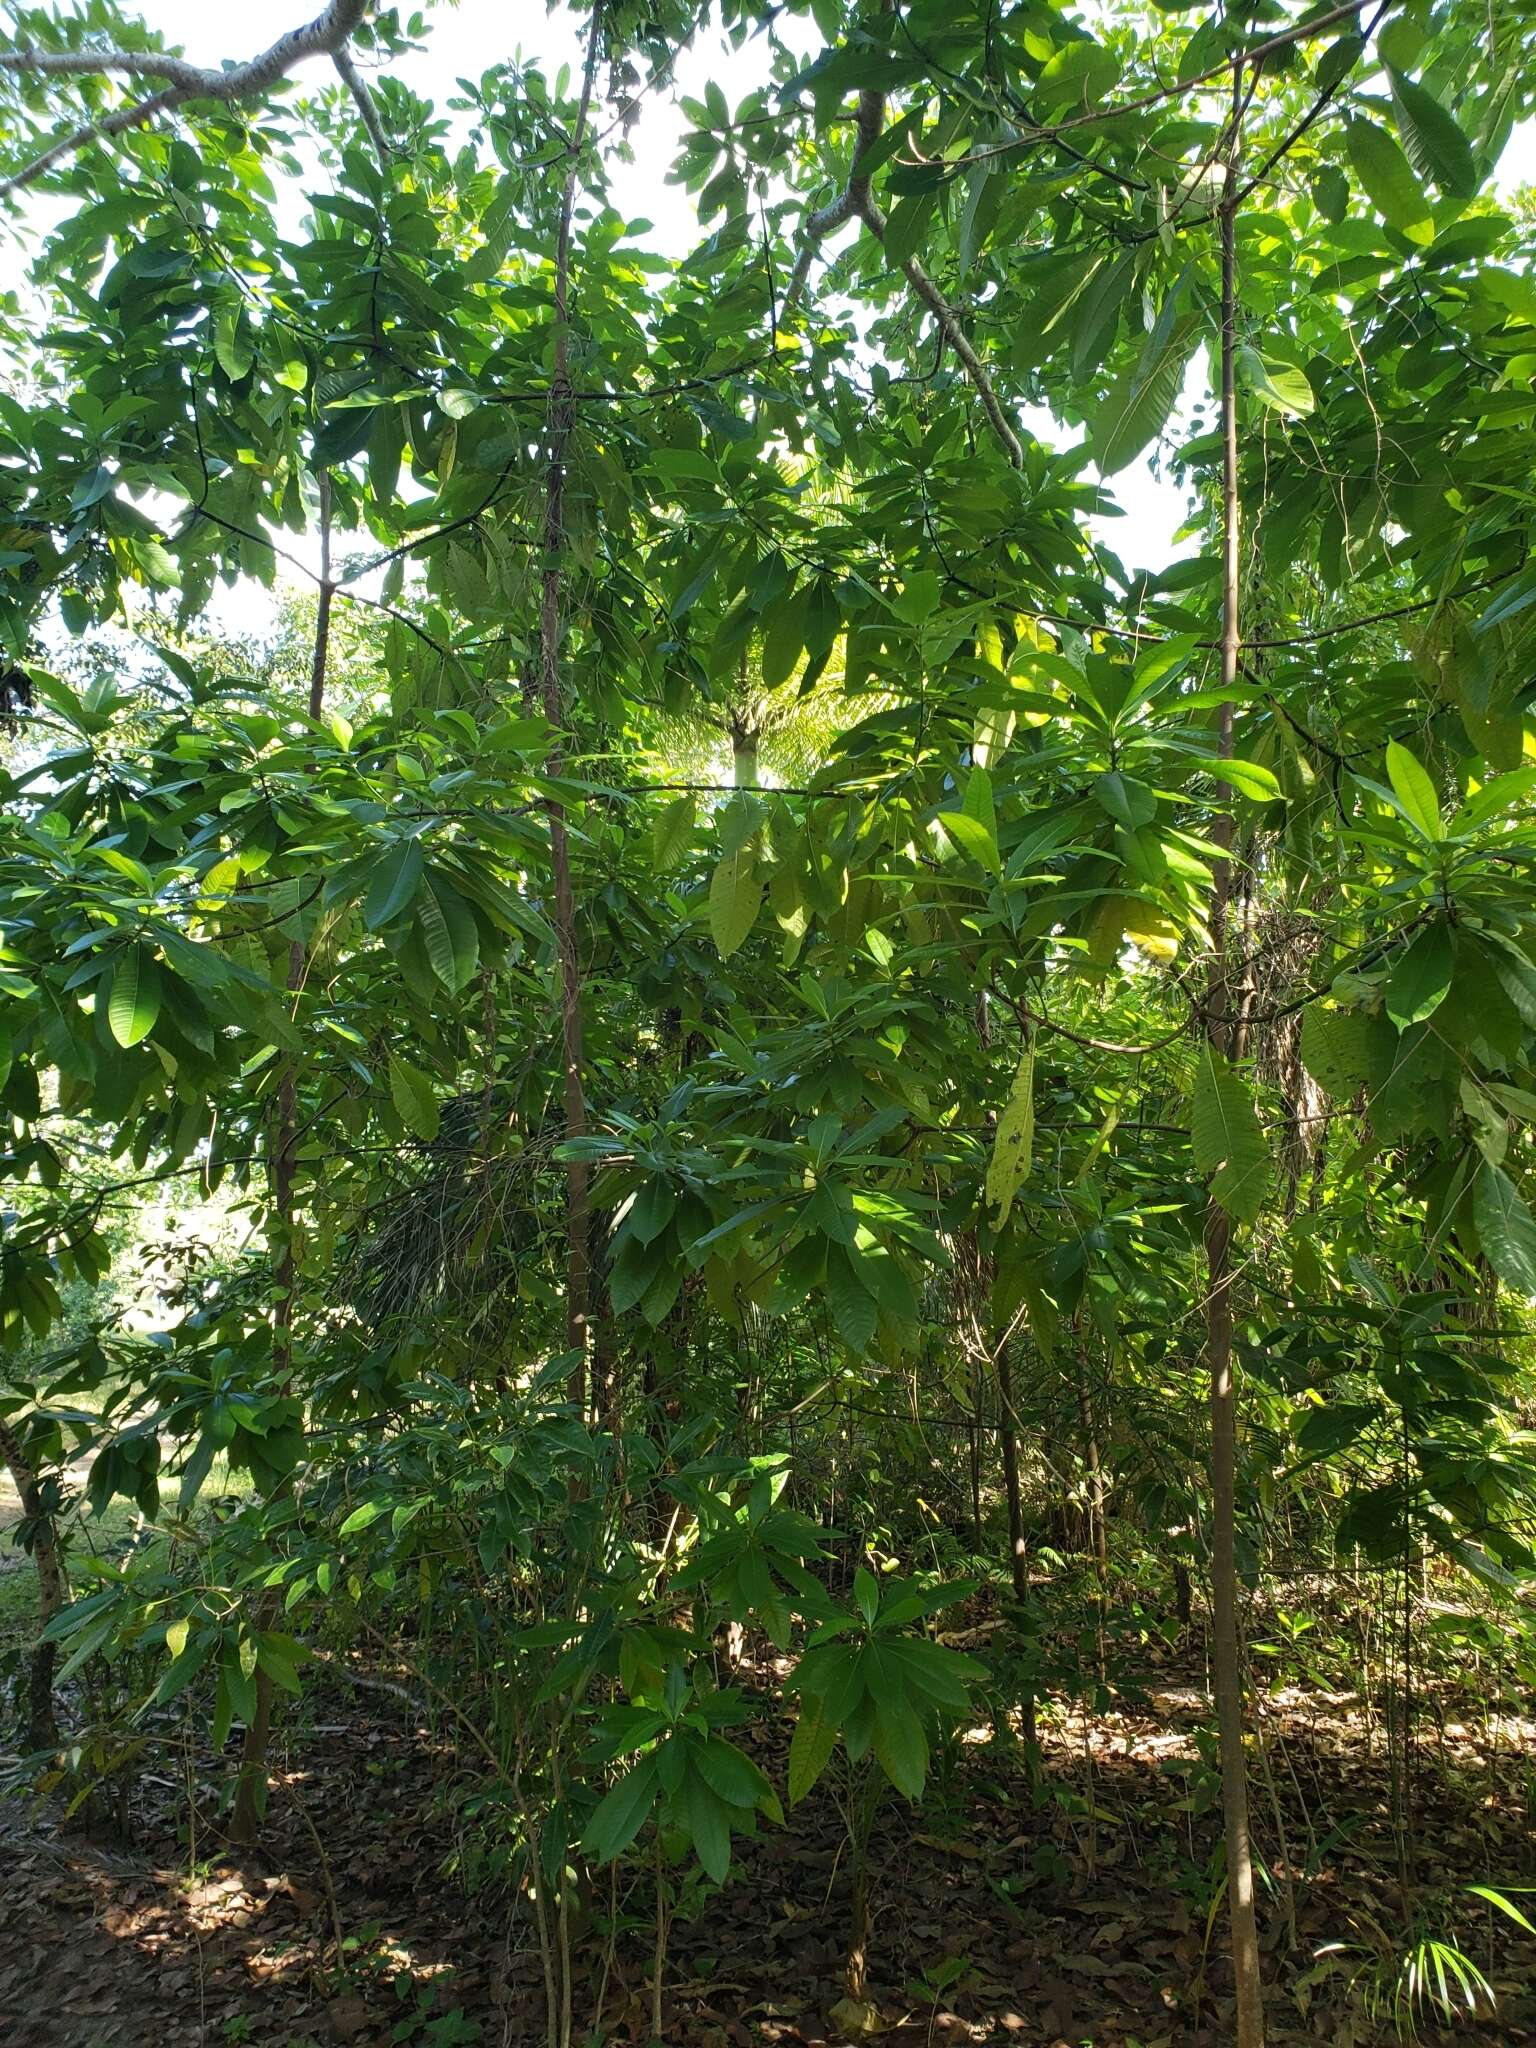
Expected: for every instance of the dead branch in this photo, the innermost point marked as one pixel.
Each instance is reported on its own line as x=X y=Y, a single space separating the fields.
x=328 y=35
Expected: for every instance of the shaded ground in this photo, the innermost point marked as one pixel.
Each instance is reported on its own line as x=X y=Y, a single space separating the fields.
x=1073 y=1918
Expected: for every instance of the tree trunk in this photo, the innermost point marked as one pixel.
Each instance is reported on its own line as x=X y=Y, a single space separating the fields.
x=251 y=1783
x=1226 y=1646
x=42 y=1726
x=561 y=424
x=744 y=768
x=1008 y=1443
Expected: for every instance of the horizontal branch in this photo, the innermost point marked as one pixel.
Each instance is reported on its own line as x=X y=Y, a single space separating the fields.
x=328 y=35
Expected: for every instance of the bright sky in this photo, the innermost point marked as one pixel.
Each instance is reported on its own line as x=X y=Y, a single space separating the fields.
x=466 y=36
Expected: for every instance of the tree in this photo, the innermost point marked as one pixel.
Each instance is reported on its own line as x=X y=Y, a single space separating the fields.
x=652 y=1141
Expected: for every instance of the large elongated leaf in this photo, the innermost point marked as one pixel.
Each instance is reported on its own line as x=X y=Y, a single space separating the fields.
x=1420 y=980
x=1280 y=385
x=709 y=1825
x=393 y=883
x=448 y=932
x=735 y=897
x=809 y=1748
x=411 y=1092
x=1335 y=1049
x=901 y=1745
x=1432 y=139
x=1414 y=790
x=1138 y=404
x=672 y=831
x=1228 y=1141
x=134 y=1003
x=854 y=1309
x=970 y=836
x=1506 y=1229
x=1013 y=1146
x=1388 y=180
x=621 y=1813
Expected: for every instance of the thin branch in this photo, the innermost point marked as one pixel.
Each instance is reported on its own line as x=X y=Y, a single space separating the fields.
x=1303 y=31
x=326 y=36
x=357 y=85
x=857 y=201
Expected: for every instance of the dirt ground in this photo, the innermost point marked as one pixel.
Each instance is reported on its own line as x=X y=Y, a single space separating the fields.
x=1078 y=1916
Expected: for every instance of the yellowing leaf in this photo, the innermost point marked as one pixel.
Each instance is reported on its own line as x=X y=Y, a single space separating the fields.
x=1013 y=1146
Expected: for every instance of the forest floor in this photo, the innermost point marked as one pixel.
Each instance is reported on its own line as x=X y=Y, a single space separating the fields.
x=1081 y=1914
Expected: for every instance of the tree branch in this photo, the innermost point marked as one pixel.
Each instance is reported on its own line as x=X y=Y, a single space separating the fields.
x=857 y=202
x=327 y=35
x=357 y=85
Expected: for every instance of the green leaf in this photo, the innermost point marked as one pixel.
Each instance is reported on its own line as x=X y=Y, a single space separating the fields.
x=621 y=1813
x=232 y=345
x=1506 y=1229
x=1013 y=1146
x=411 y=1092
x=784 y=638
x=978 y=803
x=810 y=1747
x=1509 y=603
x=854 y=1309
x=901 y=1745
x=1420 y=979
x=709 y=1827
x=672 y=833
x=1434 y=143
x=732 y=1774
x=1138 y=404
x=1228 y=1141
x=1129 y=802
x=735 y=897
x=448 y=932
x=341 y=435
x=1278 y=384
x=1388 y=180
x=1246 y=777
x=1335 y=1049
x=1415 y=791
x=396 y=876
x=134 y=1003
x=1493 y=1897
x=970 y=837
x=652 y=1210
x=90 y=489
x=1323 y=1432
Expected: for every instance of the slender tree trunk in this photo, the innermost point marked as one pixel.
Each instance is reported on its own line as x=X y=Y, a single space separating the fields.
x=1098 y=1536
x=973 y=1450
x=560 y=426
x=1008 y=1444
x=52 y=1592
x=1226 y=1646
x=251 y=1784
x=744 y=768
